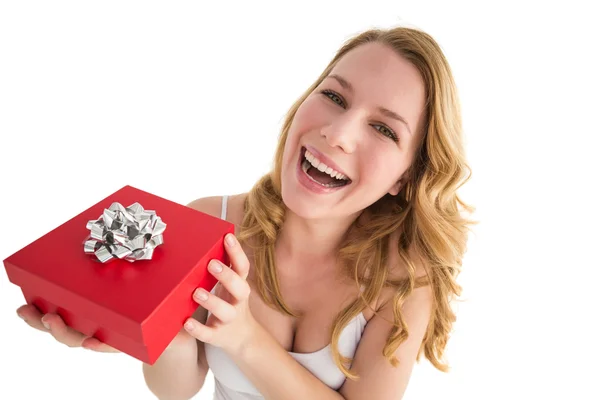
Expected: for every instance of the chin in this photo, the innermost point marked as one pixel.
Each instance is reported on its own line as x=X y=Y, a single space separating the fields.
x=301 y=206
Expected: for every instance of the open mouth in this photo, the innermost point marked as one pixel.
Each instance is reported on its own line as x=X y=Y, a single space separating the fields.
x=321 y=173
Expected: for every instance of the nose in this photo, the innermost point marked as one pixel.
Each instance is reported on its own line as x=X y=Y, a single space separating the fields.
x=343 y=132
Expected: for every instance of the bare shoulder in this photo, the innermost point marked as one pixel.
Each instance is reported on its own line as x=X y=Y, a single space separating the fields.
x=209 y=205
x=390 y=381
x=398 y=269
x=212 y=205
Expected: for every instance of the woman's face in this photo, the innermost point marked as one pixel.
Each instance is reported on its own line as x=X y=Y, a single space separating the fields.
x=342 y=127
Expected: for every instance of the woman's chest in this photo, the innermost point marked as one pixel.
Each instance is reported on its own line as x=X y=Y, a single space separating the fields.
x=316 y=299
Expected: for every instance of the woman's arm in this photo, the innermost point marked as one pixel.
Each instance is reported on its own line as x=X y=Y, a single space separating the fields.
x=277 y=375
x=179 y=373
x=379 y=379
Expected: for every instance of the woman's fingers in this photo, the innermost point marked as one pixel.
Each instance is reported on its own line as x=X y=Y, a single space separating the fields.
x=237 y=286
x=94 y=344
x=199 y=331
x=32 y=316
x=61 y=332
x=54 y=324
x=239 y=260
x=218 y=307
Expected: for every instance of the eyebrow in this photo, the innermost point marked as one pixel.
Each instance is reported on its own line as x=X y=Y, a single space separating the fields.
x=388 y=113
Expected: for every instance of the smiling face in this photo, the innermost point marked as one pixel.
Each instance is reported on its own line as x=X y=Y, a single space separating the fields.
x=361 y=123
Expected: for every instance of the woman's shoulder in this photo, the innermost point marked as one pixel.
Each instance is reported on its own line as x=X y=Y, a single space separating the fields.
x=398 y=268
x=213 y=205
x=397 y=265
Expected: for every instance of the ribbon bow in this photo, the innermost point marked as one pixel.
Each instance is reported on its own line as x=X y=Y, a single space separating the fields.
x=127 y=233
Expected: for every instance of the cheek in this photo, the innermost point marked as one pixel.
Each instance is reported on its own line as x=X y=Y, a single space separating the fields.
x=288 y=150
x=310 y=115
x=383 y=170
x=308 y=118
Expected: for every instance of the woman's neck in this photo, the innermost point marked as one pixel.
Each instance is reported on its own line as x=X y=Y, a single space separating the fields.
x=304 y=240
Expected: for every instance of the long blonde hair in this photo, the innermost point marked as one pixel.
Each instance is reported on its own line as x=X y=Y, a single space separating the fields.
x=426 y=212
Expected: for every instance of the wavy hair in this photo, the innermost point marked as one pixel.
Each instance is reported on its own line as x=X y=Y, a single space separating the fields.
x=426 y=213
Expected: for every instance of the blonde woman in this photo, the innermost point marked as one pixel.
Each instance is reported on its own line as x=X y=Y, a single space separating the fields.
x=346 y=254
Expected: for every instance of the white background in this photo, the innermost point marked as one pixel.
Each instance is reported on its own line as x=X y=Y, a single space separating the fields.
x=185 y=99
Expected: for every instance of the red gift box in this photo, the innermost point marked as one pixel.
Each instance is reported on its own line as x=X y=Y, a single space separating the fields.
x=136 y=307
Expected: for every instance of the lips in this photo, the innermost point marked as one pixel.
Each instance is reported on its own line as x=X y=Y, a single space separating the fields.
x=324 y=159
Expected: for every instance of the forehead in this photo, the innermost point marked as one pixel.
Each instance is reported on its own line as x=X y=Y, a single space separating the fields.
x=381 y=76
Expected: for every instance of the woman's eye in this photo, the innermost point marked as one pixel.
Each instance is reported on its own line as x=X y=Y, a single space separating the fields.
x=338 y=100
x=387 y=132
x=333 y=97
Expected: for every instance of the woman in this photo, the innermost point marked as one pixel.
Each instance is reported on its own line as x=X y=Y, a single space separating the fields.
x=348 y=250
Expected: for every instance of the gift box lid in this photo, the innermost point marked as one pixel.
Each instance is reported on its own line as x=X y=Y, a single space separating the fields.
x=122 y=294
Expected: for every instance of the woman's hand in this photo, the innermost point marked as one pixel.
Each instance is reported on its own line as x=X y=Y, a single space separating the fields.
x=231 y=324
x=54 y=324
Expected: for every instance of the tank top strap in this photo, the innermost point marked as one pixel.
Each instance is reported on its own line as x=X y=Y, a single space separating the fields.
x=224 y=207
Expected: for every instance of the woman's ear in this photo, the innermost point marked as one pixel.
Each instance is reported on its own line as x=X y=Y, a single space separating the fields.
x=394 y=190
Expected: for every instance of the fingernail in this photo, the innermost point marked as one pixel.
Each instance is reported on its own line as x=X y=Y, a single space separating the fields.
x=46 y=324
x=201 y=294
x=215 y=266
x=87 y=347
x=189 y=325
x=21 y=316
x=230 y=239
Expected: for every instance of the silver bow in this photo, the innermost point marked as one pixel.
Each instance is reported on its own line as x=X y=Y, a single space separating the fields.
x=126 y=233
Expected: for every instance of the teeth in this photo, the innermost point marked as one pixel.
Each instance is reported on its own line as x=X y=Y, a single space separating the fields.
x=314 y=161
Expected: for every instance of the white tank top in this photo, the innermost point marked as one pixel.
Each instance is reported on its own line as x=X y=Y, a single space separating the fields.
x=231 y=384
